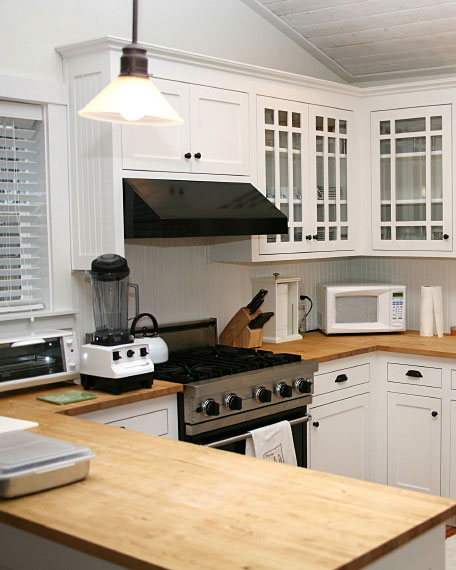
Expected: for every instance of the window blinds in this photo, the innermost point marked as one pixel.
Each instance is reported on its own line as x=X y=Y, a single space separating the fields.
x=22 y=213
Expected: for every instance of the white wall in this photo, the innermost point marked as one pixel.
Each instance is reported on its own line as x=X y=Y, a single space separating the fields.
x=178 y=284
x=223 y=28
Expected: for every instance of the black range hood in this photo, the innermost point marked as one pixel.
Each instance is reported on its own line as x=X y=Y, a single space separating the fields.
x=188 y=208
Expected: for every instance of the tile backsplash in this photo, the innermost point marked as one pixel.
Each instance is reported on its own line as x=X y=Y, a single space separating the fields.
x=177 y=283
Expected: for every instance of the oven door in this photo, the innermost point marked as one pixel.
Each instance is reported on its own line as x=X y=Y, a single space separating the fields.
x=239 y=433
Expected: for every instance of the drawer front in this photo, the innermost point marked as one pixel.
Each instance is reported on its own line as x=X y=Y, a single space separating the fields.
x=155 y=423
x=340 y=379
x=416 y=375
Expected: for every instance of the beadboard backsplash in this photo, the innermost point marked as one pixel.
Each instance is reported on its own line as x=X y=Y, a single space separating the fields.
x=177 y=283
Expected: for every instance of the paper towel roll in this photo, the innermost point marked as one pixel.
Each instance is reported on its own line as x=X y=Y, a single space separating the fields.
x=438 y=309
x=431 y=308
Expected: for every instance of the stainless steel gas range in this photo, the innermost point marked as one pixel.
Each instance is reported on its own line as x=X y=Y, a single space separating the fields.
x=230 y=391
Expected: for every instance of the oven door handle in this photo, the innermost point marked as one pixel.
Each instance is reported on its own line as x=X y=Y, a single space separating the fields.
x=248 y=435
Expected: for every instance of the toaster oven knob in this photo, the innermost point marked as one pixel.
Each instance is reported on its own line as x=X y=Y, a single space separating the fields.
x=130 y=353
x=303 y=385
x=263 y=395
x=210 y=408
x=233 y=402
x=284 y=390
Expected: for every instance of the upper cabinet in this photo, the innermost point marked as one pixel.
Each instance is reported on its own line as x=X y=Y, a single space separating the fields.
x=214 y=138
x=303 y=160
x=411 y=179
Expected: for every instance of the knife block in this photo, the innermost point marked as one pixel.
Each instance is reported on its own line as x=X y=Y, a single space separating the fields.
x=237 y=332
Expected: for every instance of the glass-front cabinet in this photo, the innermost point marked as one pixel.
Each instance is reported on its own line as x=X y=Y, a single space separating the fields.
x=303 y=170
x=411 y=179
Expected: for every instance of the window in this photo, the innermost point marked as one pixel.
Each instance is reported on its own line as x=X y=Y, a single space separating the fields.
x=23 y=208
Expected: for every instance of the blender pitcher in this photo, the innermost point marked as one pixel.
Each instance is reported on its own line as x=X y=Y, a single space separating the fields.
x=109 y=280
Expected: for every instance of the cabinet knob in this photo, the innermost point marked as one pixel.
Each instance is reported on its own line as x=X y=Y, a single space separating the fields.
x=316 y=424
x=315 y=236
x=445 y=236
x=309 y=237
x=434 y=414
x=197 y=155
x=188 y=155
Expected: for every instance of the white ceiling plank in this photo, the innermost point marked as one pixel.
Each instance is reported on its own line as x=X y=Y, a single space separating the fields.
x=376 y=22
x=364 y=10
x=288 y=7
x=394 y=46
x=416 y=30
x=437 y=56
x=392 y=66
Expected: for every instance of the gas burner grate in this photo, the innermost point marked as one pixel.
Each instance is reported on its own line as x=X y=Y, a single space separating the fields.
x=215 y=361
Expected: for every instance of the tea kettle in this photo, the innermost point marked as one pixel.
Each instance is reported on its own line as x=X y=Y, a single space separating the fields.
x=158 y=349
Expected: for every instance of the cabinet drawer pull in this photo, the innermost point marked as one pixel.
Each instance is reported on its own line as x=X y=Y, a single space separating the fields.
x=341 y=378
x=414 y=374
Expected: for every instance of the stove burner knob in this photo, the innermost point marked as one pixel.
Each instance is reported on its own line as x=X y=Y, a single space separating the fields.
x=233 y=402
x=263 y=395
x=210 y=408
x=303 y=385
x=130 y=353
x=284 y=390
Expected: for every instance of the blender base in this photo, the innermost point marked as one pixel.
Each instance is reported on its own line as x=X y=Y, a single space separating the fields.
x=117 y=386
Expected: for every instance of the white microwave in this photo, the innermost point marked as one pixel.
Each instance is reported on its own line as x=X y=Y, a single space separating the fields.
x=361 y=308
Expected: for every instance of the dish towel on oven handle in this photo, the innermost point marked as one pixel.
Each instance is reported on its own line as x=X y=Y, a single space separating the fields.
x=274 y=443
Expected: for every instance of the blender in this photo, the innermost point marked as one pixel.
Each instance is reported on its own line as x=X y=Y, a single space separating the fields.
x=112 y=362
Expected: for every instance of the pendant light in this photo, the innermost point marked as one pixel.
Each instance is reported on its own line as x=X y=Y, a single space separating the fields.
x=132 y=98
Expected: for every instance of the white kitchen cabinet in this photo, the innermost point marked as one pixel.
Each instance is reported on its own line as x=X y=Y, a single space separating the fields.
x=214 y=138
x=411 y=179
x=339 y=433
x=303 y=160
x=339 y=437
x=414 y=442
x=157 y=416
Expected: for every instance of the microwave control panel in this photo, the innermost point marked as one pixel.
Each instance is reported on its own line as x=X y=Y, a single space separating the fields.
x=397 y=308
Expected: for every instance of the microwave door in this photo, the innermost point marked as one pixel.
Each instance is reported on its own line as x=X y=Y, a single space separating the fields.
x=361 y=311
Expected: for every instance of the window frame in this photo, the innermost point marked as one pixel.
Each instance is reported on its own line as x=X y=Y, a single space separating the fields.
x=53 y=99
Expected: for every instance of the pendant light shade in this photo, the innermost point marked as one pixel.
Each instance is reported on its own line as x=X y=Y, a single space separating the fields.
x=132 y=98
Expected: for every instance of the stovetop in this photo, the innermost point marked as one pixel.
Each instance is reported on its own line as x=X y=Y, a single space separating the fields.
x=198 y=364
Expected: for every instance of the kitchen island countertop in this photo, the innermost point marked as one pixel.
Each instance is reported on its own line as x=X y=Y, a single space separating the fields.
x=149 y=502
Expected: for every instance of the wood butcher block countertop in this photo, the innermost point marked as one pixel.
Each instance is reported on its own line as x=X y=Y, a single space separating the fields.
x=317 y=346
x=151 y=503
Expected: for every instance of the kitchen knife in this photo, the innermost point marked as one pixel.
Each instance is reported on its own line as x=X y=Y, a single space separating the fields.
x=257 y=301
x=260 y=320
x=260 y=295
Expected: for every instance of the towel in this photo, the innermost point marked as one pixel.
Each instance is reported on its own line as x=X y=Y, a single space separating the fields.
x=274 y=443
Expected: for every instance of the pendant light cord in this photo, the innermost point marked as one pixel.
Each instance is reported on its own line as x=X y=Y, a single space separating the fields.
x=135 y=22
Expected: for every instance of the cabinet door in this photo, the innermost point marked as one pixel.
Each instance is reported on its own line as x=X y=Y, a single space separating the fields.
x=339 y=437
x=453 y=448
x=330 y=133
x=283 y=170
x=414 y=426
x=160 y=148
x=219 y=131
x=411 y=179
